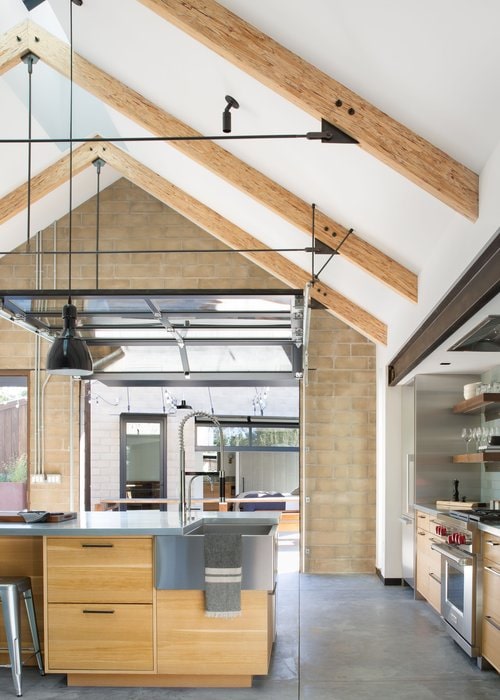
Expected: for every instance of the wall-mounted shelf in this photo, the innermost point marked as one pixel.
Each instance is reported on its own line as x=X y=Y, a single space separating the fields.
x=476 y=404
x=476 y=457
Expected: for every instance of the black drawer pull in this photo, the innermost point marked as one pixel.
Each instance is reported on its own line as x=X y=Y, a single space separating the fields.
x=100 y=546
x=99 y=612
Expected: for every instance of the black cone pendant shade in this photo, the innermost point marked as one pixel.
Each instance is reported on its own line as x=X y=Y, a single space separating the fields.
x=69 y=354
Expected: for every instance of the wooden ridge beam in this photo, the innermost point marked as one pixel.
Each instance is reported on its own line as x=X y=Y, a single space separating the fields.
x=219 y=161
x=321 y=96
x=236 y=238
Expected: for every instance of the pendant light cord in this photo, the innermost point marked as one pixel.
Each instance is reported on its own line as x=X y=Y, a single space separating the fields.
x=70 y=216
x=28 y=224
x=98 y=166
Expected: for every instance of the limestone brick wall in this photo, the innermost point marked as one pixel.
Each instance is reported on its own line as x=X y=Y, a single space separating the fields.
x=339 y=435
x=338 y=407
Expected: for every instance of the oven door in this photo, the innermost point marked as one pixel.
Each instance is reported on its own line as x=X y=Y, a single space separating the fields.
x=458 y=595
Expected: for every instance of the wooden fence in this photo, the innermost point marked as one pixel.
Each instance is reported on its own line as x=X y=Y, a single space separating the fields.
x=13 y=431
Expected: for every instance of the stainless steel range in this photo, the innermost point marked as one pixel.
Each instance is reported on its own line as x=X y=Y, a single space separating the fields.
x=461 y=586
x=461 y=573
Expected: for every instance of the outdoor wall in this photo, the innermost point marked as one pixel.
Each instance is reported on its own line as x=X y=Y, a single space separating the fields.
x=339 y=403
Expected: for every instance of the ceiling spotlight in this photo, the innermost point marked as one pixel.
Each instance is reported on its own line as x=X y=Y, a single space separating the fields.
x=226 y=114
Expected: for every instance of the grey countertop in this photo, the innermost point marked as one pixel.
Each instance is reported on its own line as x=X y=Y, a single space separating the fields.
x=126 y=523
x=432 y=510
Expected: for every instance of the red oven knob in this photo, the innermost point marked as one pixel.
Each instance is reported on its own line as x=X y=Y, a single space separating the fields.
x=462 y=539
x=450 y=539
x=438 y=529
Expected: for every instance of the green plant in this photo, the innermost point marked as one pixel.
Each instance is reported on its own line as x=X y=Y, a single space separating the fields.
x=15 y=471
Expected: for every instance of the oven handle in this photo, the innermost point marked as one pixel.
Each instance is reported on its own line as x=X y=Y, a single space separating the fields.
x=464 y=560
x=492 y=622
x=492 y=570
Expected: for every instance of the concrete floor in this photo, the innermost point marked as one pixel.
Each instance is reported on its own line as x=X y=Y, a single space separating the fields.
x=354 y=640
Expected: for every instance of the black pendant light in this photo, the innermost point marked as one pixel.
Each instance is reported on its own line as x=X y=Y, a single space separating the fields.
x=69 y=354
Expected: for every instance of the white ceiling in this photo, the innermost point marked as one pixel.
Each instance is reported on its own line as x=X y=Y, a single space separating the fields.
x=432 y=66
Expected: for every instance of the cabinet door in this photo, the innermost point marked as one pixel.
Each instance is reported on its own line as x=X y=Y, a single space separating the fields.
x=490 y=648
x=100 y=637
x=23 y=556
x=491 y=589
x=99 y=570
x=191 y=643
x=491 y=548
x=422 y=579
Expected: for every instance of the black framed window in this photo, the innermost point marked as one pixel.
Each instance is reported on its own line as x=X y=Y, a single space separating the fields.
x=143 y=457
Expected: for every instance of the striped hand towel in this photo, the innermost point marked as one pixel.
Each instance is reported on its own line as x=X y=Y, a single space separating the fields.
x=222 y=575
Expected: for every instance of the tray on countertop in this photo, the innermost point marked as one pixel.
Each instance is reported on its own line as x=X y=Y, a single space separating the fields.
x=14 y=517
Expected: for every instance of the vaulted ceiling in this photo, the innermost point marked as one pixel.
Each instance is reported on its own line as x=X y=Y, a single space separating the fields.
x=415 y=84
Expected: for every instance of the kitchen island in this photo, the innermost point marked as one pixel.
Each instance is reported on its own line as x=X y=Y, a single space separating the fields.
x=108 y=619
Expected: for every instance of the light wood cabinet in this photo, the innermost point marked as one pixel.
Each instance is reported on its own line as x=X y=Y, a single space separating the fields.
x=99 y=570
x=100 y=637
x=491 y=599
x=99 y=611
x=428 y=578
x=188 y=642
x=23 y=556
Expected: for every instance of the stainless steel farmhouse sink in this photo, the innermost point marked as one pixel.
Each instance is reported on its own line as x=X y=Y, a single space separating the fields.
x=233 y=526
x=180 y=558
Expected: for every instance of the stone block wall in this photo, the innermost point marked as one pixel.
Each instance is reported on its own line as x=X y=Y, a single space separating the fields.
x=338 y=414
x=338 y=404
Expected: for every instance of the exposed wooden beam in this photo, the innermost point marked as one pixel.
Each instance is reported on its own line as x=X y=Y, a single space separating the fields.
x=236 y=238
x=323 y=97
x=228 y=233
x=249 y=180
x=45 y=182
x=13 y=45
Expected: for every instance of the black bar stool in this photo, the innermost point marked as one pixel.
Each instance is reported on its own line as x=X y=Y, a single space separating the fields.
x=11 y=588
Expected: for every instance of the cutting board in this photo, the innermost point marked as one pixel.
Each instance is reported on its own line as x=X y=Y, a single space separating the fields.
x=457 y=505
x=14 y=517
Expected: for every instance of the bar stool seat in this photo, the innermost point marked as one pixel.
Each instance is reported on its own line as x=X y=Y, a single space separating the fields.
x=11 y=588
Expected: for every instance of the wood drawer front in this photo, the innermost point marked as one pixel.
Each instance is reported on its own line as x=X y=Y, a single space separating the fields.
x=421 y=541
x=434 y=592
x=99 y=570
x=491 y=590
x=422 y=520
x=490 y=648
x=491 y=547
x=191 y=643
x=91 y=637
x=434 y=557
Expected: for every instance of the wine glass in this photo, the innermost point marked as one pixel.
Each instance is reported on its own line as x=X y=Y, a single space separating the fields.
x=467 y=437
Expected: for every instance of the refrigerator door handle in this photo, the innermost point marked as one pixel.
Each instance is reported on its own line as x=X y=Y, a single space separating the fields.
x=410 y=461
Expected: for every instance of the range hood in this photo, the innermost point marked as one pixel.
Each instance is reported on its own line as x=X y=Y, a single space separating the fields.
x=485 y=337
